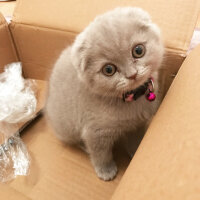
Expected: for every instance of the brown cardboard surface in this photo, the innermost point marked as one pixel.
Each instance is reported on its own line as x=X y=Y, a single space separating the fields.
x=38 y=48
x=166 y=165
x=7 y=50
x=176 y=19
x=198 y=22
x=11 y=194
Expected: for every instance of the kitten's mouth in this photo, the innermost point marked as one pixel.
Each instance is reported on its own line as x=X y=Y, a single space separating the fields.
x=147 y=88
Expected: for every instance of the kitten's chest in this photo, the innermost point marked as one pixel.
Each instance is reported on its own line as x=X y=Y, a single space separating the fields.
x=135 y=116
x=129 y=114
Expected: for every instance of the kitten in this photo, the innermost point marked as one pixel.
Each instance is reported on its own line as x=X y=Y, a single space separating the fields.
x=118 y=52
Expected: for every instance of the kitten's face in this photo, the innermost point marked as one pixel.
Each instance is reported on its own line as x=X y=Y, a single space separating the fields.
x=118 y=52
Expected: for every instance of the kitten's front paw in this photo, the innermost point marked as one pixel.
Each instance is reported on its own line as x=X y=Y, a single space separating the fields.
x=106 y=172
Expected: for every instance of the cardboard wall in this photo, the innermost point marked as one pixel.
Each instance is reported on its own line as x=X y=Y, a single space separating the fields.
x=39 y=47
x=7 y=49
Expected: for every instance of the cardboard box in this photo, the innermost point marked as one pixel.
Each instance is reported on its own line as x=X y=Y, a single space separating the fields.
x=166 y=163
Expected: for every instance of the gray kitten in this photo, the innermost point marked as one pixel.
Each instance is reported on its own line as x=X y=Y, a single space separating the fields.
x=92 y=100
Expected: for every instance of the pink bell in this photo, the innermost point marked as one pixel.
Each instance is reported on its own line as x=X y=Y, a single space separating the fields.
x=151 y=96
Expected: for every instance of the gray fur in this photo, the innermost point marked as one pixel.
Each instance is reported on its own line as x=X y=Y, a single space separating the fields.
x=84 y=106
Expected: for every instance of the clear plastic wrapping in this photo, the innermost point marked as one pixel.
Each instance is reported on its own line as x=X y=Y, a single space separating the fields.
x=14 y=159
x=17 y=99
x=17 y=105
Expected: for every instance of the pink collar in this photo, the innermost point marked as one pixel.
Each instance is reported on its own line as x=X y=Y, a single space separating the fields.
x=146 y=89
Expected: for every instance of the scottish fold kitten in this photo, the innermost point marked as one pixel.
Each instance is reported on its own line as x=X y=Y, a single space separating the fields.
x=98 y=87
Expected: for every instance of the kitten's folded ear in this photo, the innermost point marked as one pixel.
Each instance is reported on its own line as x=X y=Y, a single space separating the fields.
x=79 y=53
x=155 y=29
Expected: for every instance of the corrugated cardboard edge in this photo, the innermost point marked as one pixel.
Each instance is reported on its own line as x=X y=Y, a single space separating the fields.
x=166 y=165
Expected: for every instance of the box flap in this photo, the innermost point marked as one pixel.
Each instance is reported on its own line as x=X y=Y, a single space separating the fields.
x=7 y=49
x=166 y=165
x=177 y=19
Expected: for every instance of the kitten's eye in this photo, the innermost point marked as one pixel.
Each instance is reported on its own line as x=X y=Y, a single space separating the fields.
x=138 y=51
x=109 y=70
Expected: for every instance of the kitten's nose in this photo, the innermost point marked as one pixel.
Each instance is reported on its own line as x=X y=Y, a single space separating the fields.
x=132 y=76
